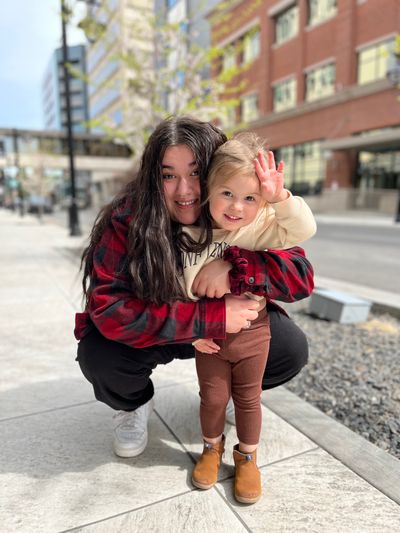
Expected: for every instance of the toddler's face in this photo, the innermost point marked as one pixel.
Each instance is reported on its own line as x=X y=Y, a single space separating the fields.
x=235 y=203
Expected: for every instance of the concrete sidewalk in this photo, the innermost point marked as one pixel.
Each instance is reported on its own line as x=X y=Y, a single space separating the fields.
x=58 y=472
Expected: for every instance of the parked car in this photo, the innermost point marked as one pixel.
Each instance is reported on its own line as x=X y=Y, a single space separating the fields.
x=39 y=204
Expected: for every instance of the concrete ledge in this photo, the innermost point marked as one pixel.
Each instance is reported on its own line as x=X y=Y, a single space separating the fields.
x=376 y=466
x=382 y=301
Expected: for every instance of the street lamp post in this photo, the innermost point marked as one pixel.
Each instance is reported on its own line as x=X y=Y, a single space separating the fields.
x=73 y=207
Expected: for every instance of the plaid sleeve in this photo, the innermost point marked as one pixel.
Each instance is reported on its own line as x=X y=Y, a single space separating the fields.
x=284 y=275
x=119 y=316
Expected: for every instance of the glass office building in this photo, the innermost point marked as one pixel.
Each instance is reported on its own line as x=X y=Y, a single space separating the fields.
x=53 y=92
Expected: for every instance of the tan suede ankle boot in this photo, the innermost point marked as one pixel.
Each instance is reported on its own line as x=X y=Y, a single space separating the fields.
x=205 y=473
x=247 y=476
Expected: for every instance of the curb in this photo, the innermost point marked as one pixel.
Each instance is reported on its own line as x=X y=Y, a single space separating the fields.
x=384 y=308
x=377 y=467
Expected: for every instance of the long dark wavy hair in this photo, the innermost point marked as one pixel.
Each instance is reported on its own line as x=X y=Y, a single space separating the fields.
x=155 y=242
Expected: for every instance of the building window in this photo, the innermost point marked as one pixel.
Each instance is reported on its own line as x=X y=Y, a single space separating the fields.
x=103 y=101
x=284 y=95
x=249 y=107
x=76 y=100
x=287 y=24
x=103 y=74
x=116 y=117
x=251 y=46
x=96 y=55
x=229 y=58
x=320 y=82
x=75 y=86
x=228 y=119
x=320 y=10
x=304 y=167
x=379 y=170
x=373 y=61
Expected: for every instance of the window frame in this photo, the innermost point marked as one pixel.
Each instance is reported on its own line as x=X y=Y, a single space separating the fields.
x=317 y=71
x=373 y=47
x=229 y=56
x=249 y=37
x=246 y=98
x=280 y=15
x=321 y=16
x=299 y=169
x=280 y=85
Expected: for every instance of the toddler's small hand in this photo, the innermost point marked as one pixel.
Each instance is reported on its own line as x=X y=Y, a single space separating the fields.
x=271 y=178
x=206 y=346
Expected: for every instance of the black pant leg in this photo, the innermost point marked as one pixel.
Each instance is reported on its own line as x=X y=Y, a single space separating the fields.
x=288 y=351
x=120 y=375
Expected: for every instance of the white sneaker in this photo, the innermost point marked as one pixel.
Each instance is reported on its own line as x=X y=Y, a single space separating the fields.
x=230 y=413
x=130 y=430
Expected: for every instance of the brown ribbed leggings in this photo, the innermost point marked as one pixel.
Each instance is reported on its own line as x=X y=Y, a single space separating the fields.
x=237 y=371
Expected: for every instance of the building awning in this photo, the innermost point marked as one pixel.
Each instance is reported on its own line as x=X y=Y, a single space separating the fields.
x=380 y=140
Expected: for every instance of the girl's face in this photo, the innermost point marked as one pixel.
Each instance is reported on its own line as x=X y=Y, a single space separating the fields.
x=181 y=184
x=235 y=203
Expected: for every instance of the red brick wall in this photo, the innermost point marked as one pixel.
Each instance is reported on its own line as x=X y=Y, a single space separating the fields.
x=345 y=25
x=355 y=24
x=228 y=25
x=341 y=169
x=369 y=112
x=376 y=18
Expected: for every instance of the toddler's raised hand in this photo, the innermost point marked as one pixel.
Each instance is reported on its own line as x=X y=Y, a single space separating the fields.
x=271 y=178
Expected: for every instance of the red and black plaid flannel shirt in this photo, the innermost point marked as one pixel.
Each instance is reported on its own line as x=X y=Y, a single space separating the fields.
x=284 y=275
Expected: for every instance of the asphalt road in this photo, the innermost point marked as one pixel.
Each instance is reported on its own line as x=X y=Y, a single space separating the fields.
x=365 y=255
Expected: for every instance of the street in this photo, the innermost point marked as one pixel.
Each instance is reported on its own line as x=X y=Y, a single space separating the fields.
x=356 y=253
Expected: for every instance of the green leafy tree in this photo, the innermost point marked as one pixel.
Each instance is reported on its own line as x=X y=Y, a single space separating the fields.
x=165 y=73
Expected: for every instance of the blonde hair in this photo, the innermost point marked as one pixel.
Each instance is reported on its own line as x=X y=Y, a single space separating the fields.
x=234 y=157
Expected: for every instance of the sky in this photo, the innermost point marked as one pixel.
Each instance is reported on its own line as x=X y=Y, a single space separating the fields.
x=30 y=30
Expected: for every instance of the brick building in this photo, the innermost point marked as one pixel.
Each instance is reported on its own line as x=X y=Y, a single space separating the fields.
x=317 y=89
